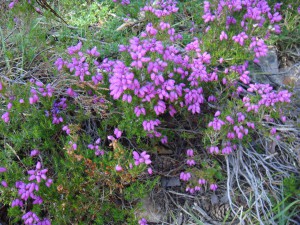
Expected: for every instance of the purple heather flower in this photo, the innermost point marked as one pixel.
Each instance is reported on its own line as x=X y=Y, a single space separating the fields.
x=216 y=124
x=95 y=147
x=34 y=97
x=160 y=108
x=251 y=125
x=162 y=8
x=150 y=171
x=208 y=17
x=4 y=183
x=17 y=202
x=118 y=168
x=218 y=113
x=190 y=162
x=30 y=218
x=241 y=117
x=193 y=99
x=5 y=117
x=213 y=149
x=37 y=174
x=197 y=188
x=276 y=17
x=49 y=182
x=201 y=181
x=74 y=49
x=185 y=176
x=224 y=81
x=273 y=131
x=163 y=25
x=44 y=222
x=39 y=84
x=164 y=140
x=230 y=20
x=277 y=6
x=3 y=169
x=141 y=158
x=34 y=152
x=240 y=38
x=12 y=4
x=190 y=152
x=97 y=142
x=37 y=200
x=230 y=135
x=117 y=133
x=139 y=111
x=66 y=129
x=151 y=30
x=38 y=10
x=59 y=63
x=213 y=187
x=149 y=125
x=111 y=138
x=9 y=105
x=73 y=145
x=143 y=221
x=227 y=150
x=26 y=190
x=93 y=52
x=191 y=190
x=259 y=47
x=212 y=98
x=71 y=92
x=121 y=80
x=127 y=98
x=223 y=36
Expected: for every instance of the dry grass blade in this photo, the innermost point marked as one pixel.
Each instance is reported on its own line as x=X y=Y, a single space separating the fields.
x=258 y=178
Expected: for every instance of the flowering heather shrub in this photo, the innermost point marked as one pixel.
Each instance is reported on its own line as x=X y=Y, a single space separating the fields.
x=155 y=77
x=161 y=75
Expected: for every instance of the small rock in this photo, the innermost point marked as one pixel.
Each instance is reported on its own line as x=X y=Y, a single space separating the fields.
x=150 y=211
x=214 y=199
x=170 y=182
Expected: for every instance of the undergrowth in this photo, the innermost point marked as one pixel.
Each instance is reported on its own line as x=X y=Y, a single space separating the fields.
x=92 y=91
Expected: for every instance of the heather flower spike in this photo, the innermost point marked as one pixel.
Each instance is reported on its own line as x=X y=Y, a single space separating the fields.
x=3 y=169
x=34 y=152
x=118 y=168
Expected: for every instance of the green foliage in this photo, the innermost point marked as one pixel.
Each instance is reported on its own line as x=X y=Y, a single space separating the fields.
x=291 y=186
x=139 y=189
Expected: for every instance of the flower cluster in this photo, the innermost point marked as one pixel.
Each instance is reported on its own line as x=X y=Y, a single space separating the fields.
x=141 y=158
x=143 y=221
x=160 y=78
x=190 y=154
x=255 y=15
x=96 y=147
x=27 y=192
x=194 y=184
x=38 y=174
x=161 y=8
x=3 y=182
